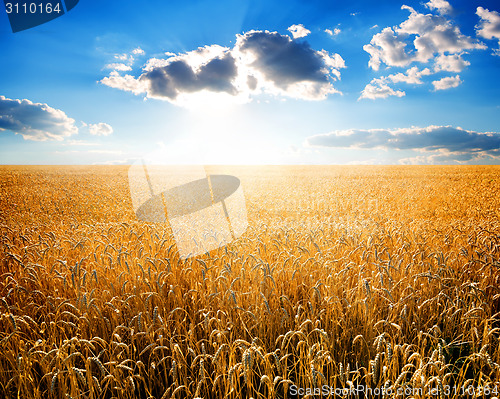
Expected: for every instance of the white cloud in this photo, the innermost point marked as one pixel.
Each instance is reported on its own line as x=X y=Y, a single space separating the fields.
x=422 y=38
x=447 y=83
x=127 y=83
x=100 y=129
x=333 y=32
x=122 y=57
x=138 y=51
x=435 y=35
x=35 y=121
x=260 y=61
x=126 y=60
x=412 y=76
x=450 y=63
x=298 y=31
x=378 y=88
x=489 y=26
x=429 y=34
x=386 y=47
x=118 y=67
x=441 y=6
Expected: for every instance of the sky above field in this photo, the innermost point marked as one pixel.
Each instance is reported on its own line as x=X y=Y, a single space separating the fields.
x=254 y=82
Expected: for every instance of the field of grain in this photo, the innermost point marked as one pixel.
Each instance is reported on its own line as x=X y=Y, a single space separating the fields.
x=365 y=278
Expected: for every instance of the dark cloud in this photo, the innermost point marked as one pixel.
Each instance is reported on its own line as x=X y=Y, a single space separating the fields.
x=35 y=121
x=260 y=61
x=432 y=138
x=282 y=60
x=178 y=77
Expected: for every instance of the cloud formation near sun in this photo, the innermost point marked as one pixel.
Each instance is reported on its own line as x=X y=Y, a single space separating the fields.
x=260 y=62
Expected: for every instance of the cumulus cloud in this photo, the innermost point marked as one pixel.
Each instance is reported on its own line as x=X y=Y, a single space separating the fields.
x=260 y=61
x=178 y=76
x=430 y=39
x=386 y=47
x=435 y=35
x=35 y=121
x=100 y=129
x=298 y=31
x=441 y=6
x=292 y=67
x=379 y=87
x=418 y=39
x=450 y=63
x=489 y=26
x=41 y=122
x=447 y=83
x=435 y=140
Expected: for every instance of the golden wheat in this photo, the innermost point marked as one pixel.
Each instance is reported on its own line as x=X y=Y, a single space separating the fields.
x=385 y=277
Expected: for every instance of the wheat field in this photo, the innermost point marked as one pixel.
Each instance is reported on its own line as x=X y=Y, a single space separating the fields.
x=349 y=282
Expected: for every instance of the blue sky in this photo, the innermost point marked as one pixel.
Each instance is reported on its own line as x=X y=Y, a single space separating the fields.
x=252 y=82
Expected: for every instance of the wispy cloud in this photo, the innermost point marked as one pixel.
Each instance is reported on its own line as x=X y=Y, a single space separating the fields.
x=379 y=87
x=80 y=143
x=333 y=32
x=126 y=60
x=127 y=161
x=118 y=67
x=116 y=152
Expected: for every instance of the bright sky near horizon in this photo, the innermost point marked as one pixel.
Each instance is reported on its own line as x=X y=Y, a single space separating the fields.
x=254 y=82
